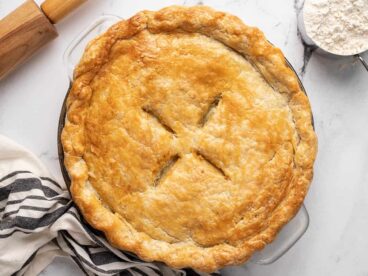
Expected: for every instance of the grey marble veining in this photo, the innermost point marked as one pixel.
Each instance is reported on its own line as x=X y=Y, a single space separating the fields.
x=308 y=49
x=336 y=241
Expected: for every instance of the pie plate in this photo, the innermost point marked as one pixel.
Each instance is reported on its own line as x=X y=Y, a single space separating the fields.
x=290 y=233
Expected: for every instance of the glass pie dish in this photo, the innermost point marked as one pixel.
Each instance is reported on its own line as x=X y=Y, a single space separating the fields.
x=287 y=237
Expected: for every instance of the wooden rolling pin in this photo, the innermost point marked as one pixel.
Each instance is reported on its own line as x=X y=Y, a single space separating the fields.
x=28 y=28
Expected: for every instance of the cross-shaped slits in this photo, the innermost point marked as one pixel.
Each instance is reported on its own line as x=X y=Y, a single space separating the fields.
x=175 y=158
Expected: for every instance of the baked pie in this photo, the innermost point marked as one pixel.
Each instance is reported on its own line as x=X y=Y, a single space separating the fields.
x=188 y=139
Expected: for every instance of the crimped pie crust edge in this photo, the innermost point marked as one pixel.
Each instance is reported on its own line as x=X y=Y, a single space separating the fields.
x=269 y=60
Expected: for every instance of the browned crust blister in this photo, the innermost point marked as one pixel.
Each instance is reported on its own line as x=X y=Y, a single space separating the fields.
x=269 y=61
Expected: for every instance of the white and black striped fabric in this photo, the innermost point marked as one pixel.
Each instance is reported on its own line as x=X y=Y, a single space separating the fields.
x=38 y=221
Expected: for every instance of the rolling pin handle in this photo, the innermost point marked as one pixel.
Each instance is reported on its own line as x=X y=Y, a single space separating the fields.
x=56 y=10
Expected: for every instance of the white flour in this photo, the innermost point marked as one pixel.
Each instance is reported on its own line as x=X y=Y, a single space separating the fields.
x=337 y=26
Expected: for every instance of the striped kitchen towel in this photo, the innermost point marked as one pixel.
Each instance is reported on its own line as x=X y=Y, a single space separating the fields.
x=38 y=221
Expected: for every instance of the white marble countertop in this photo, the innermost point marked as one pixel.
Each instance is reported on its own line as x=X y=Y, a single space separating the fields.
x=336 y=241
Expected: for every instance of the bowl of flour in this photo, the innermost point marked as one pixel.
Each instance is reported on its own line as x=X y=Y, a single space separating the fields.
x=338 y=27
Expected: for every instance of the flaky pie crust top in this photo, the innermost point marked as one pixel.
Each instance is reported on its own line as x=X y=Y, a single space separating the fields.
x=188 y=139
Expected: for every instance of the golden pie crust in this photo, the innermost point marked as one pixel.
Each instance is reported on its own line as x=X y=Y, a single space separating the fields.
x=188 y=139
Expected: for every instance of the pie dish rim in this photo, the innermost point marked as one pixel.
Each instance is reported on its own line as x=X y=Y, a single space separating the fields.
x=179 y=262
